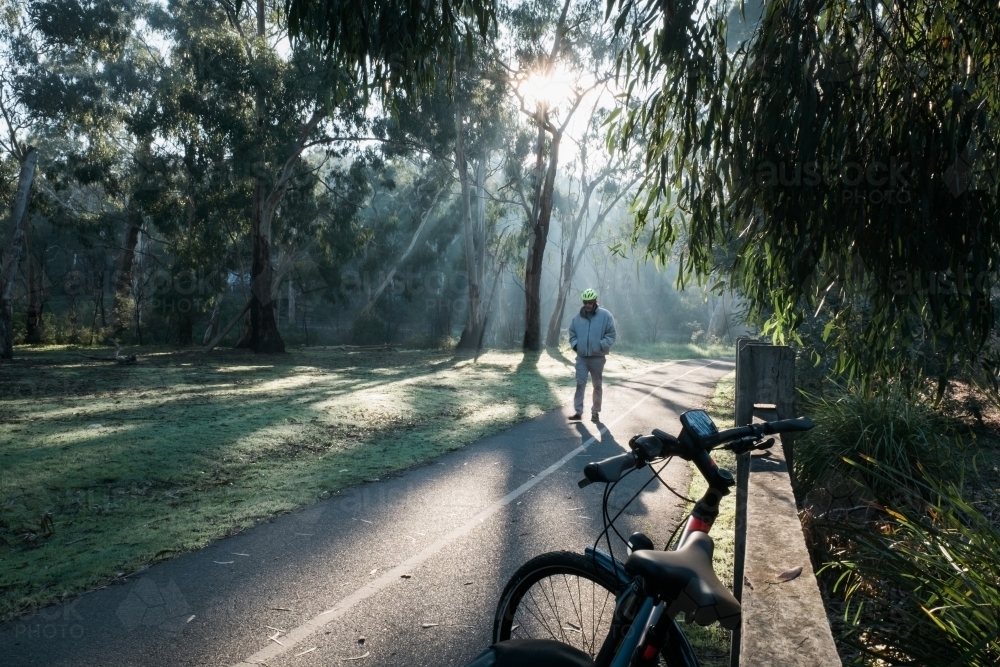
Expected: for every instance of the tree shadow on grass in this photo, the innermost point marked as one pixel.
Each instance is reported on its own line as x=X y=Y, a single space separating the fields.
x=133 y=464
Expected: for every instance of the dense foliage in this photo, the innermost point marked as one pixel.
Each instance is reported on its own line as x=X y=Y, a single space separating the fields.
x=849 y=153
x=920 y=579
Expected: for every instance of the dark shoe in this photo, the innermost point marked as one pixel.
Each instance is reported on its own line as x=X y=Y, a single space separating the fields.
x=594 y=417
x=575 y=417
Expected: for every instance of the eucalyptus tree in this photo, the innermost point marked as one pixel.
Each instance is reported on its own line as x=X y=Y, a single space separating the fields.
x=248 y=113
x=593 y=195
x=397 y=49
x=17 y=122
x=66 y=80
x=562 y=55
x=849 y=151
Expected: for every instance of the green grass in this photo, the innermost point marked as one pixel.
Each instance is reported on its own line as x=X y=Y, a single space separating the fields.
x=105 y=469
x=901 y=432
x=711 y=644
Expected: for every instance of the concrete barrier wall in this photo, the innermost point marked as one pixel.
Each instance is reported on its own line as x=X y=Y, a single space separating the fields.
x=784 y=621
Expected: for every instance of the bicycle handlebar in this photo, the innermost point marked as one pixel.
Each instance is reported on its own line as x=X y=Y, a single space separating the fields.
x=610 y=469
x=660 y=444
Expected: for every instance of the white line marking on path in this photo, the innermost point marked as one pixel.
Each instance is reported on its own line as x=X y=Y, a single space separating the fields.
x=316 y=623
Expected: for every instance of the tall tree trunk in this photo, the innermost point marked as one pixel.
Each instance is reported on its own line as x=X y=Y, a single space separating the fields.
x=555 y=324
x=34 y=314
x=213 y=320
x=12 y=249
x=122 y=307
x=536 y=253
x=263 y=335
x=292 y=320
x=473 y=321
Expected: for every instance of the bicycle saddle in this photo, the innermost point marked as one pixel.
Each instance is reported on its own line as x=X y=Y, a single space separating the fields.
x=686 y=578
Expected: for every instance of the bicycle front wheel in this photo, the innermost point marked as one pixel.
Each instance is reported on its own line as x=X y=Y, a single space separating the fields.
x=560 y=595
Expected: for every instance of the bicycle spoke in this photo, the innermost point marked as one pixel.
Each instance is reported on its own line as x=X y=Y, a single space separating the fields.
x=557 y=605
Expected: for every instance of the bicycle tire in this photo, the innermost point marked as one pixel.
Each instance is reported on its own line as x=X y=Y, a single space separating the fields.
x=563 y=564
x=553 y=585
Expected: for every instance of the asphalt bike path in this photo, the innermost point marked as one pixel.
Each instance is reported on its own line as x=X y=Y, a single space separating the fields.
x=405 y=571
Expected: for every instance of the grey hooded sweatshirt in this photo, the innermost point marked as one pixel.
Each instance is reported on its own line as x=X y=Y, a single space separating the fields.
x=592 y=335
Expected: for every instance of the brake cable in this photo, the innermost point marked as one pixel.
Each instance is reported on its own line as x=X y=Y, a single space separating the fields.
x=609 y=523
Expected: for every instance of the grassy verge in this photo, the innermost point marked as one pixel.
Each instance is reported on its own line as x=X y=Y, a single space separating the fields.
x=711 y=644
x=105 y=469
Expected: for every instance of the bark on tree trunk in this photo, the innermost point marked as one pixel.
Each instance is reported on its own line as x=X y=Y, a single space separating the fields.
x=121 y=307
x=12 y=250
x=473 y=321
x=35 y=305
x=555 y=324
x=536 y=253
x=263 y=335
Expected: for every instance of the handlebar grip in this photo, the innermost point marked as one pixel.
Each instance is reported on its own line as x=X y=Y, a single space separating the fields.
x=612 y=469
x=789 y=425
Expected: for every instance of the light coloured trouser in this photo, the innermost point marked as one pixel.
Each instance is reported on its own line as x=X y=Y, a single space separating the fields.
x=595 y=366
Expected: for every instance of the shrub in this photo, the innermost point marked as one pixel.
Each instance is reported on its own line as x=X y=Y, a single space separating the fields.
x=921 y=583
x=903 y=433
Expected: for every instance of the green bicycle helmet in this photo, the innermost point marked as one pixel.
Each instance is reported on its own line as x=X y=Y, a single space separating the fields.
x=589 y=295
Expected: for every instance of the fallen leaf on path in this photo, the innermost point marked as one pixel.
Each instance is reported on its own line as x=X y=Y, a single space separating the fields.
x=429 y=625
x=274 y=628
x=468 y=583
x=373 y=571
x=367 y=653
x=788 y=575
x=190 y=618
x=361 y=639
x=308 y=650
x=238 y=554
x=280 y=609
x=406 y=576
x=223 y=562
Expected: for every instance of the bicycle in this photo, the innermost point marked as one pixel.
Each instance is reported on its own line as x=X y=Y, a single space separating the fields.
x=634 y=624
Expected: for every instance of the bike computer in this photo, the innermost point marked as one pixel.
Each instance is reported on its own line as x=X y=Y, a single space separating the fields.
x=699 y=424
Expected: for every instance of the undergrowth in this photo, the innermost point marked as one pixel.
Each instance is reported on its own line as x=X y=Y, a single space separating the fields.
x=900 y=522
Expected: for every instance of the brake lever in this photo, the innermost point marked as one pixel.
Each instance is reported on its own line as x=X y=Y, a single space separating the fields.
x=749 y=444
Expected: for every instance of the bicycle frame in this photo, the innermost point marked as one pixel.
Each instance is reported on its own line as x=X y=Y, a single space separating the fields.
x=650 y=629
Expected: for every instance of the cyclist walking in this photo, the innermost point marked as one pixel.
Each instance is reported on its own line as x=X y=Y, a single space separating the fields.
x=591 y=335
